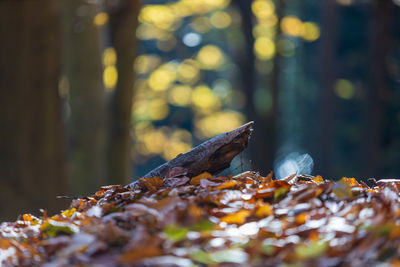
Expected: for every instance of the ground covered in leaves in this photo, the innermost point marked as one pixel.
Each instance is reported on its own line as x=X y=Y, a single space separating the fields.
x=247 y=220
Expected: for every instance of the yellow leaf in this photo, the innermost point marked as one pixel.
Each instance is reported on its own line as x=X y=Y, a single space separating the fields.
x=318 y=179
x=353 y=182
x=238 y=217
x=263 y=210
x=68 y=213
x=196 y=180
x=350 y=181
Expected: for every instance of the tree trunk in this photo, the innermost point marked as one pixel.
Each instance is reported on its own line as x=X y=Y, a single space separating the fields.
x=83 y=69
x=272 y=118
x=31 y=141
x=377 y=86
x=262 y=151
x=123 y=22
x=328 y=101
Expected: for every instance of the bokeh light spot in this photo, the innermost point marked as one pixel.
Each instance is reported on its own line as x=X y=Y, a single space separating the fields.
x=162 y=78
x=110 y=77
x=180 y=95
x=292 y=26
x=220 y=20
x=210 y=57
x=158 y=109
x=191 y=39
x=154 y=141
x=203 y=97
x=310 y=31
x=220 y=4
x=173 y=148
x=159 y=15
x=264 y=48
x=262 y=8
x=201 y=24
x=344 y=89
x=100 y=19
x=188 y=71
x=219 y=122
x=109 y=56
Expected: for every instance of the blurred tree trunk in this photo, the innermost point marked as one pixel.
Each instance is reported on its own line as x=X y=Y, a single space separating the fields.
x=83 y=68
x=274 y=85
x=123 y=22
x=379 y=42
x=328 y=99
x=262 y=150
x=31 y=141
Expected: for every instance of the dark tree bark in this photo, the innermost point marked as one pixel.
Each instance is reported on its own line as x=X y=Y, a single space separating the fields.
x=328 y=100
x=262 y=151
x=123 y=22
x=379 y=44
x=83 y=69
x=31 y=141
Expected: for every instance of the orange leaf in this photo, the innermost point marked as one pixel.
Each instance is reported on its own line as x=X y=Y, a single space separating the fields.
x=227 y=184
x=395 y=232
x=314 y=236
x=301 y=218
x=27 y=217
x=237 y=217
x=318 y=179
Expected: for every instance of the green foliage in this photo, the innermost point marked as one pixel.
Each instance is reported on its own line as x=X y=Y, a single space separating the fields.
x=55 y=228
x=311 y=250
x=175 y=233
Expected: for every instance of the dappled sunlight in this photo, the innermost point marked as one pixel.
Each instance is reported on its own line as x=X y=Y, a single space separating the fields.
x=110 y=73
x=188 y=76
x=210 y=57
x=180 y=87
x=181 y=95
x=100 y=19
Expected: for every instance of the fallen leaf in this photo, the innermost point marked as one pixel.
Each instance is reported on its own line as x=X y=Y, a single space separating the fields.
x=196 y=180
x=238 y=217
x=152 y=184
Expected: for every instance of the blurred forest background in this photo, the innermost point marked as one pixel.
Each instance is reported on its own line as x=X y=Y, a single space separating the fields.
x=100 y=92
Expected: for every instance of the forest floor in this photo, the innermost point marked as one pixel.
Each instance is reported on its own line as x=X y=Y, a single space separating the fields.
x=248 y=220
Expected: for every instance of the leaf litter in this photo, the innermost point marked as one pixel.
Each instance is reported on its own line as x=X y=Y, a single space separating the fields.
x=248 y=220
